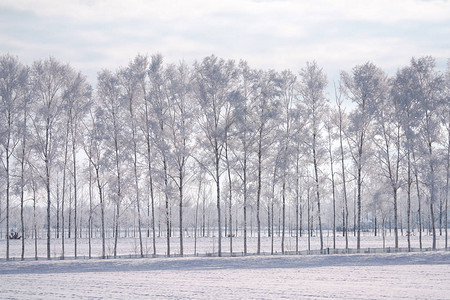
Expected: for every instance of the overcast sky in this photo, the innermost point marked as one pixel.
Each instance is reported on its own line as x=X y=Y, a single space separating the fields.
x=269 y=34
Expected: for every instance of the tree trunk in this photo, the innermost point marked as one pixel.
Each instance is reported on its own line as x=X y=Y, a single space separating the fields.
x=332 y=187
x=447 y=188
x=22 y=192
x=35 y=220
x=119 y=188
x=408 y=204
x=181 y=209
x=258 y=192
x=316 y=175
x=7 y=150
x=219 y=224
x=359 y=186
x=74 y=155
x=136 y=184
x=90 y=211
x=345 y=219
x=166 y=194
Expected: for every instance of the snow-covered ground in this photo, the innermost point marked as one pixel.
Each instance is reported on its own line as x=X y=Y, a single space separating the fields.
x=359 y=276
x=127 y=246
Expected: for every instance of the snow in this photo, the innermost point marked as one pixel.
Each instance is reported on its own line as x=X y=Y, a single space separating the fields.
x=346 y=276
x=358 y=276
x=205 y=245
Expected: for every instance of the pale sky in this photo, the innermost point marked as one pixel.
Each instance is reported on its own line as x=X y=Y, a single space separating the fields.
x=269 y=34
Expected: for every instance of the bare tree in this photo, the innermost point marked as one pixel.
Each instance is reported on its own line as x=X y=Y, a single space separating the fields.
x=160 y=107
x=365 y=86
x=13 y=94
x=109 y=96
x=312 y=88
x=94 y=147
x=267 y=92
x=213 y=85
x=130 y=78
x=77 y=100
x=428 y=90
x=388 y=139
x=341 y=125
x=288 y=97
x=48 y=79
x=181 y=126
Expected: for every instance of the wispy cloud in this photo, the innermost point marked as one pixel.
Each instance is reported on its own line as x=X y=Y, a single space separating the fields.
x=94 y=34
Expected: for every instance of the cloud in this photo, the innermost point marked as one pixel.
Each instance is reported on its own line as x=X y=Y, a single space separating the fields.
x=95 y=34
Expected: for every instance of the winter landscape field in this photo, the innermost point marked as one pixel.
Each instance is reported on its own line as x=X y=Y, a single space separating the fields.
x=417 y=275
x=357 y=276
x=239 y=149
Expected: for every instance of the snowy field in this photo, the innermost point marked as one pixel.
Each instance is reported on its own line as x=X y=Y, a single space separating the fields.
x=359 y=276
x=206 y=245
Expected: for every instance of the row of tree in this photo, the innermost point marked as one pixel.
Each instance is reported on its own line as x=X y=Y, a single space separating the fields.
x=156 y=138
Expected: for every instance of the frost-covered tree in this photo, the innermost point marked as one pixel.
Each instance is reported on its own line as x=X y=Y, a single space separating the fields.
x=76 y=97
x=313 y=82
x=402 y=93
x=180 y=123
x=288 y=98
x=48 y=83
x=130 y=78
x=13 y=96
x=388 y=137
x=95 y=148
x=213 y=86
x=364 y=86
x=160 y=108
x=428 y=90
x=264 y=120
x=109 y=95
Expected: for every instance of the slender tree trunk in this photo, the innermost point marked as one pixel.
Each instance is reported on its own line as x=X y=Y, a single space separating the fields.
x=418 y=199
x=138 y=199
x=119 y=190
x=35 y=220
x=152 y=197
x=230 y=193
x=203 y=214
x=150 y=171
x=332 y=187
x=219 y=224
x=408 y=204
x=102 y=210
x=432 y=194
x=245 y=205
x=283 y=214
x=309 y=222
x=181 y=209
x=90 y=211
x=316 y=176
x=258 y=192
x=57 y=206
x=272 y=200
x=359 y=186
x=47 y=183
x=63 y=198
x=166 y=186
x=345 y=220
x=446 y=189
x=395 y=218
x=196 y=216
x=269 y=232
x=7 y=150
x=75 y=194
x=297 y=196
x=22 y=192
